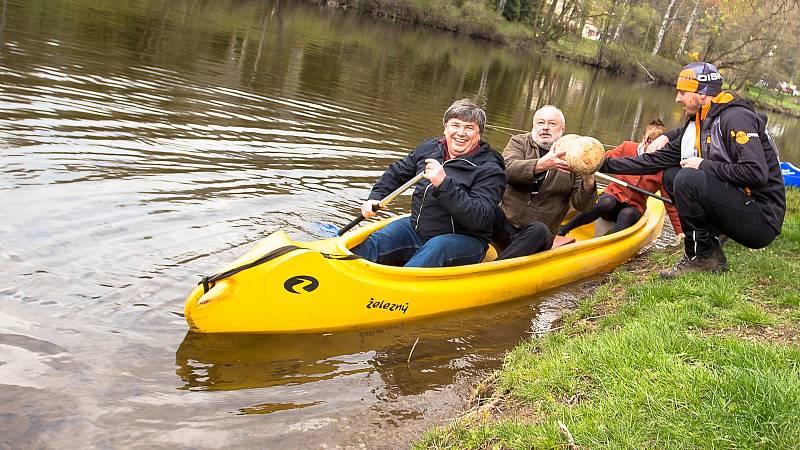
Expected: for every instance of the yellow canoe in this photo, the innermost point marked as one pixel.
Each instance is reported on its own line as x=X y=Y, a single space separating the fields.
x=317 y=286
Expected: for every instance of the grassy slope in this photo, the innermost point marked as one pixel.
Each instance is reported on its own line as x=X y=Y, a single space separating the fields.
x=702 y=362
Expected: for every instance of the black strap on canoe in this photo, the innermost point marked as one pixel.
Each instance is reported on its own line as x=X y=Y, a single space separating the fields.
x=207 y=281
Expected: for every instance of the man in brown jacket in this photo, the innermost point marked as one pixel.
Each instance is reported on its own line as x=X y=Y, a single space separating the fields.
x=540 y=187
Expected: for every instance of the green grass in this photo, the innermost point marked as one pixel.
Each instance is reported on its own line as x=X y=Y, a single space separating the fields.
x=687 y=364
x=773 y=100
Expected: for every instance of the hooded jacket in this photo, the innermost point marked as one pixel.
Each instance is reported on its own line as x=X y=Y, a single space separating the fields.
x=463 y=203
x=735 y=146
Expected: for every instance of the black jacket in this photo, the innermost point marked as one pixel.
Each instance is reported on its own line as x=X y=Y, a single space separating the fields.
x=735 y=146
x=463 y=203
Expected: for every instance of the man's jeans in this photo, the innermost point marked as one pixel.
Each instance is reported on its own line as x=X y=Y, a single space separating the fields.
x=398 y=242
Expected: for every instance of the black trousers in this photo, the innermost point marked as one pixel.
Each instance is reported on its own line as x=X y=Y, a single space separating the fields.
x=609 y=208
x=512 y=242
x=708 y=207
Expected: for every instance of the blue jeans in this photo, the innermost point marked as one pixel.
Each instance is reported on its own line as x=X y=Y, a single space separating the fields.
x=398 y=242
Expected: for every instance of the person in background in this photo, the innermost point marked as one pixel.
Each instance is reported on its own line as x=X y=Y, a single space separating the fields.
x=622 y=205
x=452 y=208
x=540 y=188
x=722 y=171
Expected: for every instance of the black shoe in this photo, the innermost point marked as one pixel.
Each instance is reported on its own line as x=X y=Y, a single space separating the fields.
x=562 y=230
x=721 y=259
x=688 y=265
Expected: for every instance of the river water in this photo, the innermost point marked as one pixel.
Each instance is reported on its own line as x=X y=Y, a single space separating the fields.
x=148 y=142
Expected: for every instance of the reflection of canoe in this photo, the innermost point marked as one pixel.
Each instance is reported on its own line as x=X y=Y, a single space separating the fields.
x=309 y=286
x=791 y=174
x=447 y=345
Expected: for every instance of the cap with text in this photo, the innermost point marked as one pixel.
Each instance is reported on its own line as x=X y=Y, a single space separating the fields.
x=700 y=77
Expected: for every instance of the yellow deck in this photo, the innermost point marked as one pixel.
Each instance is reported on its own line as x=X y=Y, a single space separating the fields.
x=357 y=294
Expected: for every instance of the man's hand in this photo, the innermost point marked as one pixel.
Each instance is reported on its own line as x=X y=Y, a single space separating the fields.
x=657 y=144
x=434 y=171
x=692 y=162
x=552 y=160
x=366 y=208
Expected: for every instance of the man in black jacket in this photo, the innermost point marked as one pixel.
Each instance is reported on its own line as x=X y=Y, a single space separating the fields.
x=722 y=170
x=452 y=208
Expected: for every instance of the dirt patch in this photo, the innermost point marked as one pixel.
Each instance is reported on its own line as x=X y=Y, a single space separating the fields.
x=787 y=334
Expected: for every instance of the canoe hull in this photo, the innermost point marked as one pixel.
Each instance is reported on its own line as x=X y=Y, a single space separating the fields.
x=312 y=289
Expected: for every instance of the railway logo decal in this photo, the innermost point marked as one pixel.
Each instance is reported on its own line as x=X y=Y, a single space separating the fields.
x=305 y=282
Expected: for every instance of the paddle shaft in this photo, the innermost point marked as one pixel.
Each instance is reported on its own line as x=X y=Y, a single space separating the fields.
x=382 y=204
x=611 y=179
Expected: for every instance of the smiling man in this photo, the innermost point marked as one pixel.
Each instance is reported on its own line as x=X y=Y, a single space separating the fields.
x=452 y=208
x=721 y=169
x=540 y=188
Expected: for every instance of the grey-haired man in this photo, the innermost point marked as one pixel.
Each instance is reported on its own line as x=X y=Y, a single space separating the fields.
x=452 y=208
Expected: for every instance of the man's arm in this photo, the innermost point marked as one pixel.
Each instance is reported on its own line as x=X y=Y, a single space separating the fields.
x=396 y=174
x=584 y=192
x=669 y=156
x=659 y=142
x=518 y=169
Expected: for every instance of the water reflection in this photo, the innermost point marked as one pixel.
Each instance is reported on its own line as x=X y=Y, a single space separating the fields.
x=445 y=347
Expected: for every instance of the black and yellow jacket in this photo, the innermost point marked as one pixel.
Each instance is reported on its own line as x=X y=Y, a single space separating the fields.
x=735 y=146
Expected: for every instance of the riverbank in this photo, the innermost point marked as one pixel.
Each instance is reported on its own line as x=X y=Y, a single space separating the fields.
x=703 y=361
x=476 y=20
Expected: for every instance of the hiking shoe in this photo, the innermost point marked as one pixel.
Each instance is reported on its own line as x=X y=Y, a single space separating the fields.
x=688 y=265
x=721 y=259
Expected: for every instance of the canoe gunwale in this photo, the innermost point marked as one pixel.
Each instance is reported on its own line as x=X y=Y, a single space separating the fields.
x=354 y=237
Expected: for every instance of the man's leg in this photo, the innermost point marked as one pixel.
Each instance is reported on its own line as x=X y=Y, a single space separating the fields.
x=502 y=230
x=668 y=179
x=707 y=207
x=395 y=242
x=448 y=250
x=530 y=239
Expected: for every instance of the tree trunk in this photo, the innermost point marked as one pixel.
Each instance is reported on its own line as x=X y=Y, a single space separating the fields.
x=619 y=24
x=686 y=31
x=664 y=25
x=501 y=5
x=604 y=34
x=548 y=20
